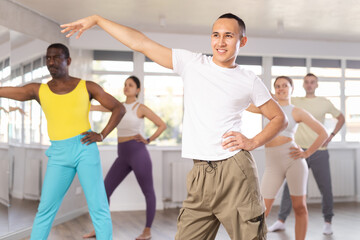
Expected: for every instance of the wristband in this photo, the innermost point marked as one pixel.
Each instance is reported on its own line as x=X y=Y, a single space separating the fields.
x=102 y=137
x=148 y=140
x=333 y=134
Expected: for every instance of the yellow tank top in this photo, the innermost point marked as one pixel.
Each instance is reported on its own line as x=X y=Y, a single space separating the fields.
x=67 y=114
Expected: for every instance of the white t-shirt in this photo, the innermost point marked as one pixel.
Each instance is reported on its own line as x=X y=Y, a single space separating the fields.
x=214 y=100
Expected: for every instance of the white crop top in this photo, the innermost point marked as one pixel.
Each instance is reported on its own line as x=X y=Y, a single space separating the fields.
x=130 y=124
x=290 y=130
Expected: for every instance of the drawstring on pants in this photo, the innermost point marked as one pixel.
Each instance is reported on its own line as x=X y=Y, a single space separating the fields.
x=211 y=166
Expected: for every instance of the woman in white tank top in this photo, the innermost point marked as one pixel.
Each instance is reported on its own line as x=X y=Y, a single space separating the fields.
x=132 y=153
x=285 y=160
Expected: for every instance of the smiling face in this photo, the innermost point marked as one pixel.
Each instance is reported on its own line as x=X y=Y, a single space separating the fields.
x=130 y=88
x=57 y=63
x=283 y=89
x=225 y=42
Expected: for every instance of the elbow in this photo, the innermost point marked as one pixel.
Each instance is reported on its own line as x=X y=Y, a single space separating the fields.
x=163 y=126
x=324 y=135
x=122 y=110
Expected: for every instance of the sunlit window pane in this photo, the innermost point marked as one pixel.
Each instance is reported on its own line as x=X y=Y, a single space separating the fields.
x=153 y=67
x=352 y=73
x=124 y=66
x=37 y=73
x=251 y=124
x=35 y=122
x=112 y=84
x=352 y=113
x=326 y=89
x=164 y=95
x=288 y=71
x=27 y=122
x=4 y=121
x=326 y=72
x=352 y=88
x=352 y=119
x=6 y=72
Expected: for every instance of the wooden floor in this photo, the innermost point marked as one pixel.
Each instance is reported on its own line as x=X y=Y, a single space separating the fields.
x=127 y=225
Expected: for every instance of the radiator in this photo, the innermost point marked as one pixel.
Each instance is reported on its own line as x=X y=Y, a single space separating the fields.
x=342 y=176
x=179 y=172
x=32 y=180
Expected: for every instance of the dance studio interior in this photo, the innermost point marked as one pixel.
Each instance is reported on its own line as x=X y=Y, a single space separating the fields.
x=284 y=38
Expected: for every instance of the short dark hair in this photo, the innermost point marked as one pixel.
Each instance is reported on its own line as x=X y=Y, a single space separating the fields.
x=61 y=46
x=136 y=80
x=239 y=20
x=287 y=78
x=311 y=75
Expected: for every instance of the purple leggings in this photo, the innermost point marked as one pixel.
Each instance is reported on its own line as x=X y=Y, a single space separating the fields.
x=134 y=156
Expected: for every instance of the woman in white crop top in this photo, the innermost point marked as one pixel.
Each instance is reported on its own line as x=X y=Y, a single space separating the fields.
x=132 y=153
x=284 y=159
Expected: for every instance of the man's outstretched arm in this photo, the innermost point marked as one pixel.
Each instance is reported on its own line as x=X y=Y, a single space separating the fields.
x=130 y=37
x=23 y=93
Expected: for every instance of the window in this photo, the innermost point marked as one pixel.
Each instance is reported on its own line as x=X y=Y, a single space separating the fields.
x=295 y=68
x=15 y=117
x=163 y=94
x=291 y=67
x=112 y=84
x=326 y=67
x=110 y=70
x=352 y=101
x=251 y=122
x=4 y=117
x=31 y=127
x=251 y=63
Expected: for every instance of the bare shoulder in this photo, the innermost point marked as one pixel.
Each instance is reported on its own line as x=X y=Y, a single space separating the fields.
x=33 y=86
x=142 y=109
x=92 y=86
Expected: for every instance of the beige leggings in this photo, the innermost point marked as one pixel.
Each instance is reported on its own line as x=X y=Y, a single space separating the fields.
x=278 y=166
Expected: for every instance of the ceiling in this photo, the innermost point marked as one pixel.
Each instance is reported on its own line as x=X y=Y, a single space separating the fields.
x=332 y=20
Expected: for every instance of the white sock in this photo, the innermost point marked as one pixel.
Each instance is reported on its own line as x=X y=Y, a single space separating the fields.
x=327 y=230
x=277 y=226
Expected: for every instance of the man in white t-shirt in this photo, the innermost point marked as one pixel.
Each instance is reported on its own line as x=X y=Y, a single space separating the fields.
x=223 y=185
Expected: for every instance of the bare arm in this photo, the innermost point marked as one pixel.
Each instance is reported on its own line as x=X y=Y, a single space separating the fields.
x=278 y=122
x=339 y=124
x=161 y=126
x=24 y=93
x=254 y=109
x=99 y=108
x=130 y=37
x=11 y=109
x=300 y=115
x=1 y=108
x=109 y=102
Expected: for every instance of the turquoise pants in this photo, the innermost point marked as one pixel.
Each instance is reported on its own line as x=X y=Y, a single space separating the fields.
x=66 y=158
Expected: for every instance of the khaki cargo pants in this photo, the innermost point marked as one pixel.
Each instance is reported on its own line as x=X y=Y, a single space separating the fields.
x=225 y=192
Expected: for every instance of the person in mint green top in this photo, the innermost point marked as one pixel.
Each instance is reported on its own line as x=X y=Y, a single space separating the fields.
x=65 y=101
x=319 y=161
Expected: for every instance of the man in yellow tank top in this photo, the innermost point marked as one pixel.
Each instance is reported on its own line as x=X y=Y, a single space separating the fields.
x=65 y=101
